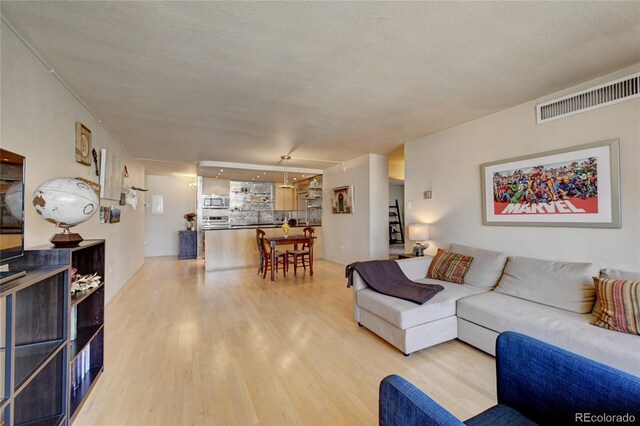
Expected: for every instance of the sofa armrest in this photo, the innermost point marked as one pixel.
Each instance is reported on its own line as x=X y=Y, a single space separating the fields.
x=402 y=404
x=358 y=283
x=415 y=267
x=549 y=384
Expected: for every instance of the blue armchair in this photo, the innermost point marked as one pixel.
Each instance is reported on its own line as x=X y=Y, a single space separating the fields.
x=537 y=383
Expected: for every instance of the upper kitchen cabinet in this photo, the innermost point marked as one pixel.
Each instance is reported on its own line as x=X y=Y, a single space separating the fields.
x=286 y=199
x=215 y=186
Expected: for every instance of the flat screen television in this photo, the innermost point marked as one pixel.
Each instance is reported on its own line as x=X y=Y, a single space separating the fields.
x=12 y=173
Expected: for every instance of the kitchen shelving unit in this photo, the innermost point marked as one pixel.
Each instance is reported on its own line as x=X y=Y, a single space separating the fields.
x=37 y=357
x=312 y=196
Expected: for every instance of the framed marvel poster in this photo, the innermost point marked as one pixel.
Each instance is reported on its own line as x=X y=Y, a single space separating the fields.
x=577 y=187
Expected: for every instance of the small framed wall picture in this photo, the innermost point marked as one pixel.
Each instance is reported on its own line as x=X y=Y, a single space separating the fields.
x=83 y=144
x=342 y=199
x=114 y=215
x=105 y=213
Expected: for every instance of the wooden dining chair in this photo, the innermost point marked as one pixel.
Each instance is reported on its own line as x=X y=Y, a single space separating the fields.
x=298 y=255
x=265 y=256
x=259 y=234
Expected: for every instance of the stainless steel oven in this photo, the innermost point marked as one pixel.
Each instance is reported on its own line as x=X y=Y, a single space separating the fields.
x=215 y=222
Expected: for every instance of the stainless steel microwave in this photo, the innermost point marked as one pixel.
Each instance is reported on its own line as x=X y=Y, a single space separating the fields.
x=215 y=201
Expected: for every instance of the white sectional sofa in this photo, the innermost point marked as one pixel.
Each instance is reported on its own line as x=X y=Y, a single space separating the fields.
x=550 y=301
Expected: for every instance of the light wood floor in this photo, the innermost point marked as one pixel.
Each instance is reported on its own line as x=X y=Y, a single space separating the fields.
x=188 y=347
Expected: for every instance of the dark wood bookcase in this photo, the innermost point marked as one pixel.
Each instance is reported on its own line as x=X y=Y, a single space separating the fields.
x=40 y=375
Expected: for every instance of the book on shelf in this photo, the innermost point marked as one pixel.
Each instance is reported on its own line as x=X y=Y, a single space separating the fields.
x=74 y=324
x=74 y=374
x=87 y=360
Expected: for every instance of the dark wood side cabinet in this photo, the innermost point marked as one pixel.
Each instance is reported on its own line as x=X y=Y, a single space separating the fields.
x=187 y=244
x=45 y=375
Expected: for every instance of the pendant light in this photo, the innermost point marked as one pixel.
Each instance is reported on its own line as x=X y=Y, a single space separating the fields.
x=285 y=183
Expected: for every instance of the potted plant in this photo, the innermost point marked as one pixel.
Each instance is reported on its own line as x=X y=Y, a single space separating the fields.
x=191 y=221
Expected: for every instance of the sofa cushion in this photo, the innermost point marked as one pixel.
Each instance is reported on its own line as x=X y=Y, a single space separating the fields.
x=614 y=274
x=486 y=268
x=404 y=314
x=449 y=266
x=620 y=305
x=619 y=274
x=415 y=268
x=564 y=285
x=568 y=330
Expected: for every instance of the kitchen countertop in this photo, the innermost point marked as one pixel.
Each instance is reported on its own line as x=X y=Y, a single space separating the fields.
x=255 y=226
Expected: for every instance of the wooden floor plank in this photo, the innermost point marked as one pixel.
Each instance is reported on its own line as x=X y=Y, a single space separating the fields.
x=187 y=347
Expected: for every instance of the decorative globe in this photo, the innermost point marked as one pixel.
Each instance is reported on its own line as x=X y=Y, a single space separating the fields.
x=65 y=201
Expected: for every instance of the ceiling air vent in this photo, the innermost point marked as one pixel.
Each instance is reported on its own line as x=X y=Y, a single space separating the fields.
x=605 y=94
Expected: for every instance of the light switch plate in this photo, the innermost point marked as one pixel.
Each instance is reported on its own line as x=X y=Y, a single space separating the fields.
x=157 y=204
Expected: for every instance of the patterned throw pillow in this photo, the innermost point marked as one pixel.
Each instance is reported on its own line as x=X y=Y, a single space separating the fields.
x=619 y=305
x=449 y=266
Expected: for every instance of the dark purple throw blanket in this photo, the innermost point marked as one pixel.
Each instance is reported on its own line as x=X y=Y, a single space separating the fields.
x=386 y=277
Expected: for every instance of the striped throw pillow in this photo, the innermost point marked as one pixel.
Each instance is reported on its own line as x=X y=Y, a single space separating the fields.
x=449 y=266
x=619 y=305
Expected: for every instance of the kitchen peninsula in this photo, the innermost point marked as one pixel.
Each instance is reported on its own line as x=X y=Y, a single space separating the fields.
x=236 y=247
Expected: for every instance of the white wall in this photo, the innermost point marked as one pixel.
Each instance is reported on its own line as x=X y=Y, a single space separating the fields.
x=161 y=230
x=38 y=121
x=449 y=162
x=362 y=235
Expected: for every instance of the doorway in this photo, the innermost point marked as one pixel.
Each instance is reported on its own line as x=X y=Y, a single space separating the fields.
x=397 y=228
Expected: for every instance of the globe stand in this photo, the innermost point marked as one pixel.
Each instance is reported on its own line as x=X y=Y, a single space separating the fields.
x=66 y=239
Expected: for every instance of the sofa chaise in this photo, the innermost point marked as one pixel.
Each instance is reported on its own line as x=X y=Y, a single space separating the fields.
x=548 y=300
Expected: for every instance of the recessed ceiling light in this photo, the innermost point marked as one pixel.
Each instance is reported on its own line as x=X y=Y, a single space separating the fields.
x=264 y=173
x=295 y=178
x=302 y=175
x=221 y=170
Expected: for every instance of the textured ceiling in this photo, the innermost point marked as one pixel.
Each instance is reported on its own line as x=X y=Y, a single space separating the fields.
x=250 y=81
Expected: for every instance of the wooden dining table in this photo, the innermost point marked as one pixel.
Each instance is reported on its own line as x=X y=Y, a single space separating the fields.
x=291 y=239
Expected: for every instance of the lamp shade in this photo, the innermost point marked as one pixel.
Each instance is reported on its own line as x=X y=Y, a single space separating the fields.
x=418 y=232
